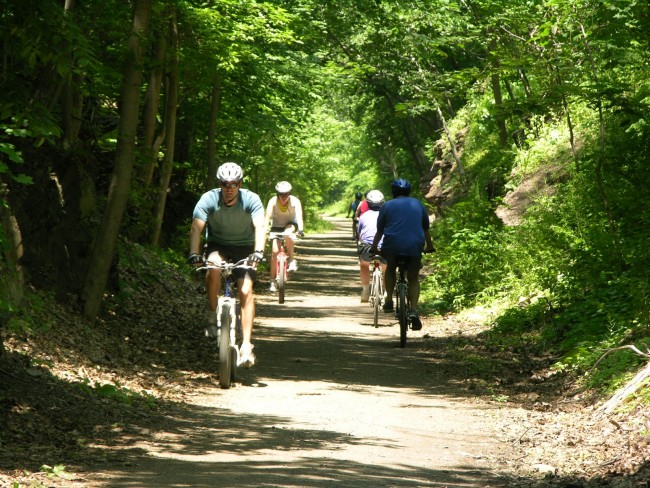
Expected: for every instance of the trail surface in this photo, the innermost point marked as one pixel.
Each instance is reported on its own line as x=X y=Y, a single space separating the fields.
x=332 y=401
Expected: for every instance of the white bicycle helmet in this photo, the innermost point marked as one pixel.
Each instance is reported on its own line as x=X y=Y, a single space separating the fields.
x=283 y=187
x=375 y=199
x=230 y=172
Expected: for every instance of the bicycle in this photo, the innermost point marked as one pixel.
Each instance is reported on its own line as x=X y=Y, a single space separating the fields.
x=376 y=300
x=403 y=303
x=282 y=263
x=229 y=333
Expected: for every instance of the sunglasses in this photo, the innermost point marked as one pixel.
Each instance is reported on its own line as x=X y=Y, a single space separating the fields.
x=284 y=194
x=231 y=184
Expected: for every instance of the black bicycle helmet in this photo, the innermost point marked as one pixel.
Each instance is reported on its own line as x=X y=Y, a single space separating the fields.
x=358 y=195
x=400 y=187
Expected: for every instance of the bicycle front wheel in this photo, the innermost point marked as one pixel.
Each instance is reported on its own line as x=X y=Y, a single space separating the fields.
x=225 y=355
x=402 y=314
x=375 y=296
x=282 y=276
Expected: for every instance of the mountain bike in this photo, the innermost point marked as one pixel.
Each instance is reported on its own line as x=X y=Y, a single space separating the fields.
x=282 y=263
x=376 y=287
x=229 y=332
x=402 y=303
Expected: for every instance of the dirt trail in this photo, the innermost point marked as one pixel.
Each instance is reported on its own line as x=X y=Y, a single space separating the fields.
x=333 y=401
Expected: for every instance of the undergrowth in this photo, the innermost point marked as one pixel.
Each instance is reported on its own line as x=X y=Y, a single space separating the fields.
x=572 y=277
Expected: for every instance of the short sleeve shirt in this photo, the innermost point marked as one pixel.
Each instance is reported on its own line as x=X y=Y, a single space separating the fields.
x=292 y=214
x=368 y=228
x=403 y=221
x=363 y=207
x=229 y=225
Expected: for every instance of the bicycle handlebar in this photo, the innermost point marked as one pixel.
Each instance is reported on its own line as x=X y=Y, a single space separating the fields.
x=242 y=263
x=281 y=235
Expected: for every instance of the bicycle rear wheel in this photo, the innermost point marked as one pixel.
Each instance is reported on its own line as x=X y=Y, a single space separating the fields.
x=225 y=354
x=402 y=313
x=375 y=296
x=282 y=276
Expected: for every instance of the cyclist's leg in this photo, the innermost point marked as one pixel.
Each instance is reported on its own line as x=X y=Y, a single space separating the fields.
x=413 y=276
x=364 y=271
x=213 y=277
x=247 y=302
x=273 y=266
x=390 y=279
x=412 y=273
x=288 y=241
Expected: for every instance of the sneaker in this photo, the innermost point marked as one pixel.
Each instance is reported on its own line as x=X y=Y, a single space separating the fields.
x=212 y=330
x=293 y=265
x=273 y=288
x=416 y=323
x=246 y=356
x=388 y=306
x=365 y=295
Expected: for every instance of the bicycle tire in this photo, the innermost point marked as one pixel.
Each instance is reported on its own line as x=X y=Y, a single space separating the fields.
x=225 y=355
x=234 y=355
x=282 y=276
x=376 y=296
x=402 y=314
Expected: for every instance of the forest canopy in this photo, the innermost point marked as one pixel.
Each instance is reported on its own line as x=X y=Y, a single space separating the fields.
x=115 y=115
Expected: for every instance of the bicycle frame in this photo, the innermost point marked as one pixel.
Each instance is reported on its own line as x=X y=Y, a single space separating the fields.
x=227 y=324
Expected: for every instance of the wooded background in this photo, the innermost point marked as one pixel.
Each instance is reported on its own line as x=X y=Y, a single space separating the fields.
x=115 y=115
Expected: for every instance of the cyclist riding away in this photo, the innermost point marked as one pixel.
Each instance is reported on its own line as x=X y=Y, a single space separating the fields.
x=404 y=225
x=352 y=209
x=366 y=231
x=284 y=212
x=362 y=207
x=232 y=220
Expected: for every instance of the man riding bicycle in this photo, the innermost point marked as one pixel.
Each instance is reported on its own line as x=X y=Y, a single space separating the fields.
x=404 y=225
x=284 y=212
x=235 y=230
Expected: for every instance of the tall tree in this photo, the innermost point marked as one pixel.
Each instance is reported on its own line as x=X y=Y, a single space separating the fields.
x=106 y=239
x=171 y=106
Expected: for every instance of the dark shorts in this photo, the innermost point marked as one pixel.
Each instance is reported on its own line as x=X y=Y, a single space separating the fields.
x=413 y=263
x=282 y=228
x=232 y=254
x=363 y=250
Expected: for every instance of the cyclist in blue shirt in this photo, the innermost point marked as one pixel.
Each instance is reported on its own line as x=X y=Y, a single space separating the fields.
x=232 y=220
x=403 y=223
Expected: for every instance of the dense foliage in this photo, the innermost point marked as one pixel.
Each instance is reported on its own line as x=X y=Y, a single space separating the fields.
x=475 y=98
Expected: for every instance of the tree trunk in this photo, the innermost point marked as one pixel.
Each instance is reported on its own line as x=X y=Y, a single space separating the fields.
x=151 y=105
x=212 y=136
x=600 y=184
x=11 y=284
x=108 y=233
x=452 y=145
x=498 y=98
x=72 y=102
x=171 y=105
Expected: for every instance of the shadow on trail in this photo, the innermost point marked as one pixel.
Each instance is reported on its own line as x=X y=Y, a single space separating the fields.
x=301 y=472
